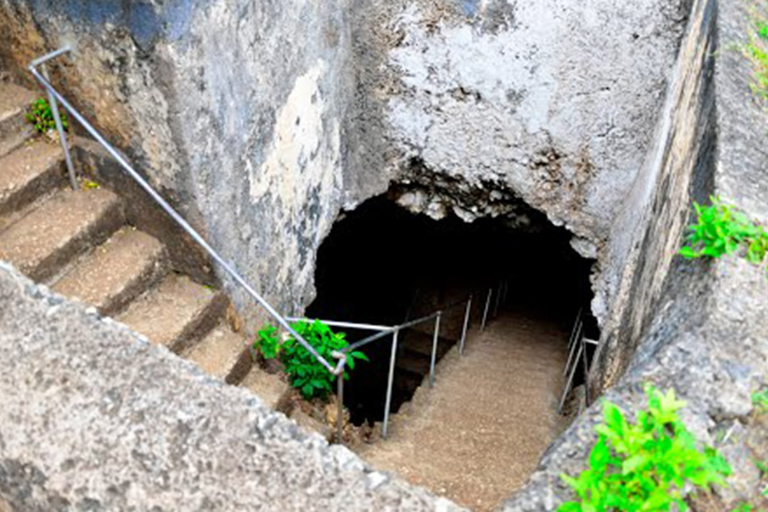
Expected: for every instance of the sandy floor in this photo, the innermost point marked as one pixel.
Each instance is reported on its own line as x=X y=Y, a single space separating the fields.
x=480 y=432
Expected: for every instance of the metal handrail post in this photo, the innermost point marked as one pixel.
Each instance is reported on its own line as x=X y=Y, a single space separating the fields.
x=62 y=135
x=184 y=224
x=498 y=300
x=390 y=383
x=586 y=371
x=487 y=307
x=569 y=382
x=435 y=340
x=571 y=352
x=466 y=326
x=340 y=408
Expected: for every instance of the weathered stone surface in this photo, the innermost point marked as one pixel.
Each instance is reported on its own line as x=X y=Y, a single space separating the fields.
x=235 y=110
x=552 y=102
x=702 y=327
x=261 y=133
x=93 y=417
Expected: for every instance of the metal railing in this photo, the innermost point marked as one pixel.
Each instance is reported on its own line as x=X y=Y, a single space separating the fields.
x=384 y=331
x=577 y=350
x=55 y=98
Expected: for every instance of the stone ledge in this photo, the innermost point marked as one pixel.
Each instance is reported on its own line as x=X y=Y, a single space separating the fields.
x=94 y=417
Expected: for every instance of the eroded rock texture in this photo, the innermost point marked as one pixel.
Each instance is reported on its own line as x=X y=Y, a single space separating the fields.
x=263 y=120
x=553 y=102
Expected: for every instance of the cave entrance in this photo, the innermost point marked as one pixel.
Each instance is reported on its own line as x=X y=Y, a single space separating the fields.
x=382 y=264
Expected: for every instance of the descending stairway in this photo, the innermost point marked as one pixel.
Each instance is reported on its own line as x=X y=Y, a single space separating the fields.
x=80 y=245
x=494 y=410
x=413 y=361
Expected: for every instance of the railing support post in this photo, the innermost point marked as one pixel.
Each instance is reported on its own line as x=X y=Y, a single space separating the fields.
x=340 y=410
x=569 y=382
x=435 y=340
x=577 y=327
x=498 y=300
x=466 y=326
x=487 y=307
x=390 y=383
x=586 y=371
x=62 y=135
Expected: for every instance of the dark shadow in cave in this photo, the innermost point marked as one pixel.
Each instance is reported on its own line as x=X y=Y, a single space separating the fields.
x=382 y=264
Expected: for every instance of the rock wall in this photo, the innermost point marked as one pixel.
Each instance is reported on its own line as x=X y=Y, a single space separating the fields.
x=551 y=102
x=235 y=110
x=261 y=121
x=698 y=327
x=95 y=417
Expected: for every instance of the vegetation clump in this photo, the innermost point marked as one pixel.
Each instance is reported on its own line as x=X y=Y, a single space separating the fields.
x=720 y=229
x=647 y=465
x=756 y=50
x=760 y=401
x=41 y=116
x=306 y=373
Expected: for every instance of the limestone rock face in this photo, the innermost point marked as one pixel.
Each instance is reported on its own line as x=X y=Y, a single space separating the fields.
x=553 y=101
x=261 y=121
x=95 y=417
x=235 y=111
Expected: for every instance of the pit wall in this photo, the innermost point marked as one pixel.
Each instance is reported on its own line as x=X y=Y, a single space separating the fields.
x=236 y=111
x=95 y=417
x=261 y=122
x=698 y=327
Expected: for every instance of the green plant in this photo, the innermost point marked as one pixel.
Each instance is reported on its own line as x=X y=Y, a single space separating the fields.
x=760 y=400
x=41 y=116
x=645 y=465
x=721 y=229
x=756 y=51
x=305 y=372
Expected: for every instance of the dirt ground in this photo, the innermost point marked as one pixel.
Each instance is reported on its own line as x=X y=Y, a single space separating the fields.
x=479 y=433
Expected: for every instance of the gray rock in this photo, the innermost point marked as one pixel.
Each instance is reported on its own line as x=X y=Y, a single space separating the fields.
x=94 y=418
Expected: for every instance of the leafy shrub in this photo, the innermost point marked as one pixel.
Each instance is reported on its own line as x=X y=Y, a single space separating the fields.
x=756 y=50
x=760 y=400
x=305 y=372
x=720 y=229
x=644 y=465
x=41 y=116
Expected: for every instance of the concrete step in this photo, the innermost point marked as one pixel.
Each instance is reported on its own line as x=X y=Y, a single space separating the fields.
x=116 y=272
x=222 y=354
x=421 y=343
x=175 y=314
x=14 y=127
x=51 y=235
x=270 y=388
x=28 y=173
x=414 y=365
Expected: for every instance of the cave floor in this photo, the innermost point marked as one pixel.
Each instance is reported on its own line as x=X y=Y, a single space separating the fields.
x=479 y=433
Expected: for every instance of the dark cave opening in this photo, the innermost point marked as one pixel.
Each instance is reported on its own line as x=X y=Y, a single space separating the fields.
x=382 y=264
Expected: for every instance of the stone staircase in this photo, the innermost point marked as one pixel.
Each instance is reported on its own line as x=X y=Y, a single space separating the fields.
x=494 y=409
x=80 y=244
x=413 y=360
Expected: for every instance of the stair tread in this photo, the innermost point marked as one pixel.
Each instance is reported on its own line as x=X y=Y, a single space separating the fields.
x=222 y=354
x=419 y=366
x=172 y=312
x=14 y=100
x=116 y=271
x=28 y=172
x=44 y=240
x=421 y=343
x=270 y=388
x=14 y=128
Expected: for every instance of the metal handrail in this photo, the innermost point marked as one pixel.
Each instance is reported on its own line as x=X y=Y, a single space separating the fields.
x=228 y=268
x=55 y=98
